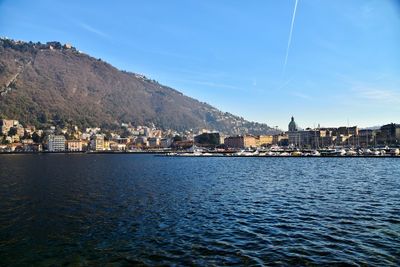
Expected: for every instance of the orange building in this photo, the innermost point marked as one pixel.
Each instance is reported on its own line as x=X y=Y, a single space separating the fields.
x=74 y=145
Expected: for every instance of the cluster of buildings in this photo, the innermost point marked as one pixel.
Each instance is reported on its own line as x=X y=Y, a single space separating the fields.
x=321 y=137
x=14 y=137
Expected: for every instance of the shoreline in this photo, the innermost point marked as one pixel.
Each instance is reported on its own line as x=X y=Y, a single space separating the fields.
x=191 y=155
x=81 y=152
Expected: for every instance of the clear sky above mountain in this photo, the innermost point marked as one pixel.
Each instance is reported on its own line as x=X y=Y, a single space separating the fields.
x=343 y=62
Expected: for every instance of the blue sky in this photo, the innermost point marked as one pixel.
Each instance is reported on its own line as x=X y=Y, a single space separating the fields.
x=343 y=63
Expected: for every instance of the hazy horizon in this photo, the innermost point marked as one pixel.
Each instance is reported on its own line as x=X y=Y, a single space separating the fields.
x=333 y=64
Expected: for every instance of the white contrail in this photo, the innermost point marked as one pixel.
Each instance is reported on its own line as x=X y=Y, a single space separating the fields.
x=290 y=36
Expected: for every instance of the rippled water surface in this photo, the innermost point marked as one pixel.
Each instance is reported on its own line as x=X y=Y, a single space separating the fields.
x=122 y=210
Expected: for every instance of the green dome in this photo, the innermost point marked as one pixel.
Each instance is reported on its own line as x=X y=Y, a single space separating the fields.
x=292 y=125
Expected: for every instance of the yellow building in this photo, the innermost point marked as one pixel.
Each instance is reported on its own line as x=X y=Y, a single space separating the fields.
x=240 y=141
x=107 y=144
x=264 y=140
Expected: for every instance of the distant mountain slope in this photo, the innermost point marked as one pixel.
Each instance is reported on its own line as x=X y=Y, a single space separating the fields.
x=48 y=83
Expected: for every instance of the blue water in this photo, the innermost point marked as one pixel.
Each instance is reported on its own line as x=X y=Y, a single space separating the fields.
x=123 y=210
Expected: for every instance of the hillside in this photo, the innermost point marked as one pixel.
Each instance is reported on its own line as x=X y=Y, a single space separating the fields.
x=53 y=83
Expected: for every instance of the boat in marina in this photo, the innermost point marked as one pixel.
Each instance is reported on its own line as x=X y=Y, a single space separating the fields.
x=333 y=152
x=351 y=153
x=296 y=154
x=315 y=153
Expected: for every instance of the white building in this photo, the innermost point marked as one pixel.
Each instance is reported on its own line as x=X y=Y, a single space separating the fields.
x=97 y=142
x=55 y=143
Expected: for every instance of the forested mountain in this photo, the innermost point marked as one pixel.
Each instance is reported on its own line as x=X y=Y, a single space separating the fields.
x=53 y=83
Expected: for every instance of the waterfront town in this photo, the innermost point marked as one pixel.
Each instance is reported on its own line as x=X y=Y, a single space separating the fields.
x=15 y=137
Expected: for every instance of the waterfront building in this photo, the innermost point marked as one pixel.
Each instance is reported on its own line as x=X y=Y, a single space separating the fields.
x=107 y=144
x=85 y=145
x=249 y=141
x=281 y=139
x=97 y=143
x=388 y=134
x=299 y=138
x=264 y=140
x=55 y=143
x=318 y=138
x=365 y=133
x=392 y=131
x=33 y=148
x=295 y=137
x=165 y=142
x=222 y=138
x=114 y=146
x=240 y=141
x=74 y=145
x=321 y=137
x=29 y=146
x=347 y=136
x=153 y=141
x=347 y=131
x=141 y=141
x=327 y=141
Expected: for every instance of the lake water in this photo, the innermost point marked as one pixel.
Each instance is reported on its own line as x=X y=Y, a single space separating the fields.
x=122 y=210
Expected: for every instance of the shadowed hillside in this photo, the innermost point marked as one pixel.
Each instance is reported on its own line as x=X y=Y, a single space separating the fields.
x=54 y=83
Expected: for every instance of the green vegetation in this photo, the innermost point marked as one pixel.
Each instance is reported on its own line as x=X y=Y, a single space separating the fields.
x=12 y=131
x=211 y=139
x=63 y=87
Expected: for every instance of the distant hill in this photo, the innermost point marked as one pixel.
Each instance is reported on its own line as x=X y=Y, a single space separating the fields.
x=53 y=83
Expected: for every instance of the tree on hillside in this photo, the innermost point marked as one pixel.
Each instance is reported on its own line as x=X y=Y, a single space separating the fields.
x=12 y=131
x=177 y=138
x=26 y=135
x=36 y=138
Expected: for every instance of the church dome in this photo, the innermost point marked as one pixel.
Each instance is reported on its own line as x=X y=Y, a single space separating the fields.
x=292 y=125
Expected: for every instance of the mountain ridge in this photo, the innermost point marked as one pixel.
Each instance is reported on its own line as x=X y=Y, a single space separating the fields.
x=55 y=83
